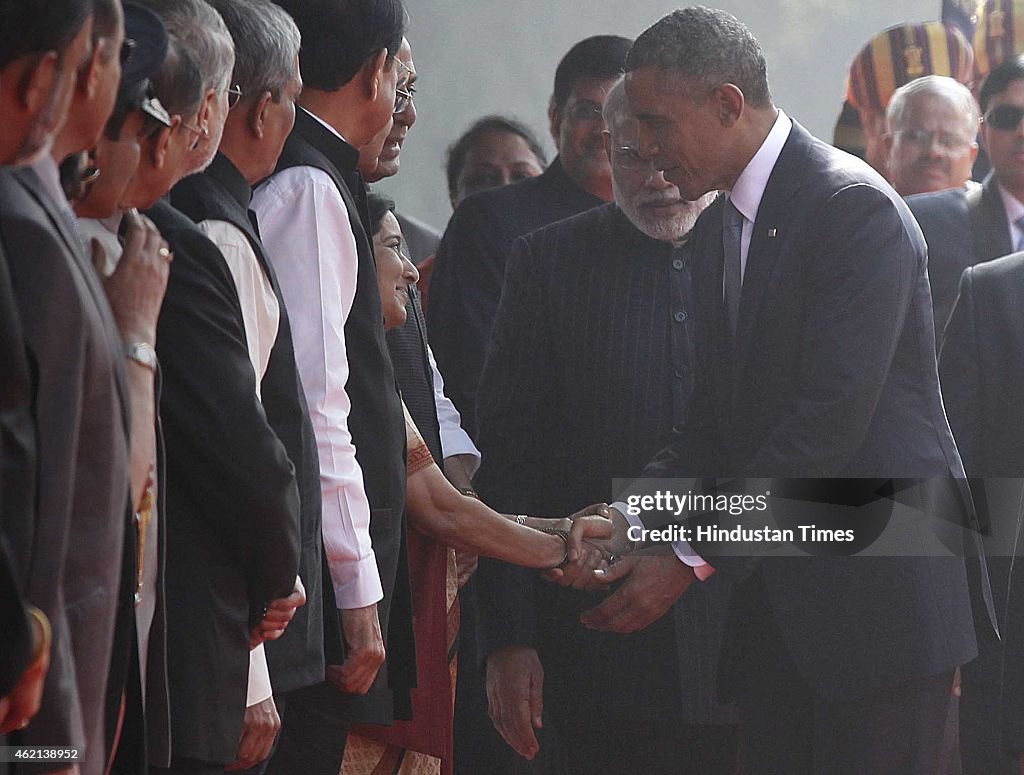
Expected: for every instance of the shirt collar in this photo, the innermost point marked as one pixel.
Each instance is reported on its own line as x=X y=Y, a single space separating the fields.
x=324 y=124
x=1013 y=206
x=749 y=188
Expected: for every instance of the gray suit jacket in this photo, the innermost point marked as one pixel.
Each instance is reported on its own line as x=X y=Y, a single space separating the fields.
x=83 y=490
x=962 y=228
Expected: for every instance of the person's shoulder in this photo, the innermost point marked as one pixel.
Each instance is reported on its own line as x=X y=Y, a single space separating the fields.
x=587 y=229
x=938 y=201
x=998 y=272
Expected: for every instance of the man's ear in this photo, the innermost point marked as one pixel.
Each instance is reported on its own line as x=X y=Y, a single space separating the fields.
x=554 y=119
x=203 y=116
x=258 y=114
x=36 y=82
x=374 y=73
x=729 y=101
x=88 y=79
x=162 y=142
x=974 y=152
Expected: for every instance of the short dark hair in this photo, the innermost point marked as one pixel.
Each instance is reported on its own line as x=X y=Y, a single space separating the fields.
x=34 y=28
x=706 y=45
x=338 y=36
x=378 y=205
x=179 y=83
x=999 y=80
x=455 y=157
x=601 y=56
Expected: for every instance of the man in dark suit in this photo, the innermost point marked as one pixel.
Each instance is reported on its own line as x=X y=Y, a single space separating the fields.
x=267 y=47
x=965 y=227
x=71 y=554
x=579 y=294
x=815 y=334
x=232 y=507
x=313 y=221
x=981 y=387
x=470 y=265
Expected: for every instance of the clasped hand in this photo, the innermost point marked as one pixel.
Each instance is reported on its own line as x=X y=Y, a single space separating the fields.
x=597 y=539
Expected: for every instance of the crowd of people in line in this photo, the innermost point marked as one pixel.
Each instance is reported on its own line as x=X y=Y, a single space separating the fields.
x=246 y=525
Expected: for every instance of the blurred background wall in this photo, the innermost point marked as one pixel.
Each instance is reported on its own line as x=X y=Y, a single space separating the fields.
x=484 y=56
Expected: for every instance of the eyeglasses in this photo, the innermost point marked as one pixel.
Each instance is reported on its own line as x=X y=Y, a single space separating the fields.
x=1005 y=117
x=402 y=99
x=920 y=138
x=404 y=96
x=199 y=131
x=234 y=95
x=627 y=157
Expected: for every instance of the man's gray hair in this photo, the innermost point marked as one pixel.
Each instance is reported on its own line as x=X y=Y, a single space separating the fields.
x=942 y=86
x=708 y=46
x=201 y=30
x=267 y=42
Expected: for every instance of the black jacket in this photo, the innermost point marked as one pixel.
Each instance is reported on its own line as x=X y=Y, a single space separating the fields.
x=232 y=504
x=469 y=271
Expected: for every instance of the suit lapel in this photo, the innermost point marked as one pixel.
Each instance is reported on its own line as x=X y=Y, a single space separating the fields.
x=770 y=233
x=990 y=229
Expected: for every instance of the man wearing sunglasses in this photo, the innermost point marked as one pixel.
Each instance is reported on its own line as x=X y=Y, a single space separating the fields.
x=963 y=228
x=980 y=383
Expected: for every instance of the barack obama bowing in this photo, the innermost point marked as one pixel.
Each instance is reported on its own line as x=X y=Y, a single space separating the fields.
x=817 y=356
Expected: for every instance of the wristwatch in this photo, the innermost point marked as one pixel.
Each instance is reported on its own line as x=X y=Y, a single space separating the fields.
x=143 y=354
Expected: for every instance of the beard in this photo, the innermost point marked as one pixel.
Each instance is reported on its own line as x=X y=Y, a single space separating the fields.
x=664 y=226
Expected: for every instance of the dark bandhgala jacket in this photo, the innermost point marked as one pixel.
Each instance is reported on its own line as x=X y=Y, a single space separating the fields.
x=296 y=659
x=376 y=423
x=592 y=295
x=232 y=507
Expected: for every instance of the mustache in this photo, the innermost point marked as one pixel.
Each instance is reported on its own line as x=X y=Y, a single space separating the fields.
x=658 y=200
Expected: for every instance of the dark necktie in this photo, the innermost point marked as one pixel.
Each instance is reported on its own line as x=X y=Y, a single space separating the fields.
x=732 y=232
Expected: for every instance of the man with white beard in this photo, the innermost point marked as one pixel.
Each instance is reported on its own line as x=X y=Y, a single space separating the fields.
x=590 y=370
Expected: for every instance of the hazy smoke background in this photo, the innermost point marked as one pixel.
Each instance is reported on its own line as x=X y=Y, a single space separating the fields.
x=484 y=56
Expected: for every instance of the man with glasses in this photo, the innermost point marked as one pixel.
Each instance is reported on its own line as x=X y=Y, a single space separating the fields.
x=932 y=136
x=965 y=227
x=314 y=223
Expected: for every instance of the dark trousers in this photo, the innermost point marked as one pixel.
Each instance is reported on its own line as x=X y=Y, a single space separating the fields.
x=788 y=728
x=312 y=736
x=188 y=767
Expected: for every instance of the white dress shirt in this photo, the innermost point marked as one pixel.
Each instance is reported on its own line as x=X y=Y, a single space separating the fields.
x=261 y=315
x=307 y=236
x=454 y=440
x=746 y=195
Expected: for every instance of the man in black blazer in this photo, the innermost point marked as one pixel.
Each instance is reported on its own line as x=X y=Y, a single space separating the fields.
x=815 y=335
x=604 y=292
x=965 y=227
x=982 y=384
x=470 y=266
x=70 y=554
x=267 y=43
x=232 y=507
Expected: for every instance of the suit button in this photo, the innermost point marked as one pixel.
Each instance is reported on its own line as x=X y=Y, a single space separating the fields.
x=680 y=317
x=677 y=263
x=678 y=429
x=680 y=373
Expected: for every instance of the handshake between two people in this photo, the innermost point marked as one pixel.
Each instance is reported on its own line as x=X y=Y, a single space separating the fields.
x=596 y=540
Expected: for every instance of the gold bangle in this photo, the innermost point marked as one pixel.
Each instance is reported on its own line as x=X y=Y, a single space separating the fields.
x=46 y=632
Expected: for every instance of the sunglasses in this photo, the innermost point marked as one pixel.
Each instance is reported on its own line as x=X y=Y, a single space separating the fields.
x=1005 y=117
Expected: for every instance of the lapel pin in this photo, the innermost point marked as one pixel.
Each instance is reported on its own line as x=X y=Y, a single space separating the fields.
x=773 y=232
